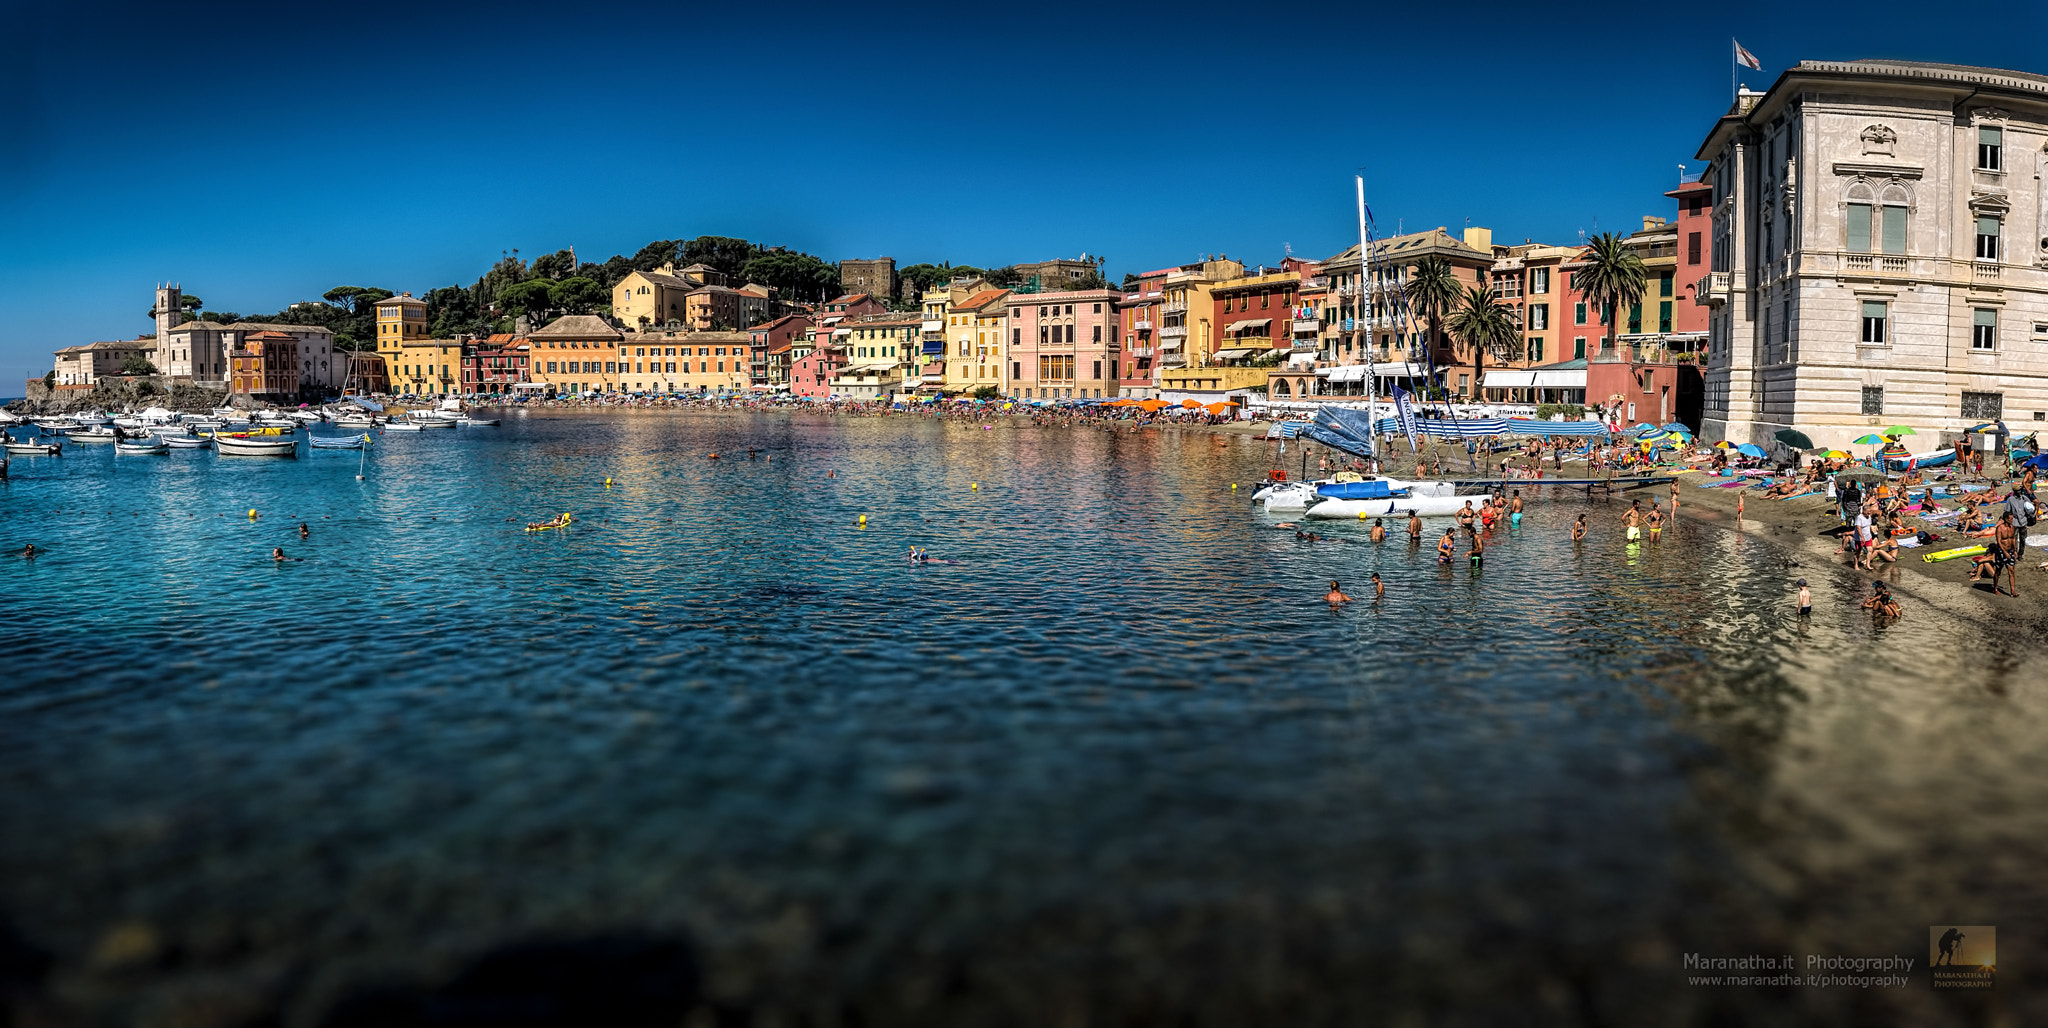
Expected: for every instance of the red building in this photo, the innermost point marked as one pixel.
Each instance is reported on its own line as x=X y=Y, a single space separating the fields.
x=1695 y=251
x=495 y=364
x=266 y=364
x=1654 y=371
x=1138 y=317
x=771 y=361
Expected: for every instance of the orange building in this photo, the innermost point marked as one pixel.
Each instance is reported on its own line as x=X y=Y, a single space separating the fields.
x=266 y=364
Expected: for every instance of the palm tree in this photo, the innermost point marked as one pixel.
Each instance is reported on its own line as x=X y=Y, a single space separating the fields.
x=1612 y=275
x=1484 y=323
x=1432 y=291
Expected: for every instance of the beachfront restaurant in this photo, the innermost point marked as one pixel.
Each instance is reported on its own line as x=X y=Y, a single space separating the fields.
x=1563 y=382
x=1349 y=379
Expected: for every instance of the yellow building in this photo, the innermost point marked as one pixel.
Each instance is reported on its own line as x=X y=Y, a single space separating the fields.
x=714 y=362
x=651 y=299
x=401 y=319
x=974 y=341
x=1187 y=313
x=424 y=367
x=576 y=353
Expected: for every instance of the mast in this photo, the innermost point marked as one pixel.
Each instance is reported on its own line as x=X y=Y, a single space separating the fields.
x=1372 y=418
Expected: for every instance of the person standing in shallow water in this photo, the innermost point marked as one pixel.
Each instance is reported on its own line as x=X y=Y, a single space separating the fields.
x=1336 y=595
x=1633 y=519
x=1414 y=527
x=1579 y=529
x=1805 y=598
x=1379 y=530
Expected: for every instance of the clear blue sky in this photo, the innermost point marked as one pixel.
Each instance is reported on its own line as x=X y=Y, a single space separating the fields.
x=262 y=154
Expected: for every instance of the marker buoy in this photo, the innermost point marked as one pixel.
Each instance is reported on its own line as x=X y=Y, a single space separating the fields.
x=607 y=483
x=1233 y=487
x=863 y=521
x=974 y=486
x=252 y=514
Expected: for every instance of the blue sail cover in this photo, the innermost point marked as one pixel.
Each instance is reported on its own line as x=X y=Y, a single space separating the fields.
x=1335 y=441
x=1374 y=490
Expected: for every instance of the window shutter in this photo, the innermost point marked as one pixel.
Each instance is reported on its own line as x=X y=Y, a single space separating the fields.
x=1894 y=228
x=1859 y=228
x=1987 y=226
x=1990 y=136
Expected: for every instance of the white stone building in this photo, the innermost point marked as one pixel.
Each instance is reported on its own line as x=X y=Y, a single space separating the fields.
x=199 y=350
x=1880 y=253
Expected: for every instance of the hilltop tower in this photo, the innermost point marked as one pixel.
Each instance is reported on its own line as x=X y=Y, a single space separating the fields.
x=170 y=304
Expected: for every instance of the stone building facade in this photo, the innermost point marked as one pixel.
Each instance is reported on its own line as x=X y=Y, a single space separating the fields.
x=1880 y=253
x=876 y=277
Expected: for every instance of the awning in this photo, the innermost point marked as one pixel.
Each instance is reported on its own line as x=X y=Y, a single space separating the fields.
x=1558 y=379
x=1347 y=373
x=1510 y=379
x=1248 y=323
x=1233 y=354
x=1406 y=369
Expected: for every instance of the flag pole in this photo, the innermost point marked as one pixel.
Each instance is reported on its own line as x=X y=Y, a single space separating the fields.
x=1734 y=61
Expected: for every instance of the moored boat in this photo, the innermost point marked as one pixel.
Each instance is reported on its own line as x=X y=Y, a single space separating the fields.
x=39 y=446
x=187 y=442
x=256 y=446
x=150 y=445
x=95 y=434
x=346 y=442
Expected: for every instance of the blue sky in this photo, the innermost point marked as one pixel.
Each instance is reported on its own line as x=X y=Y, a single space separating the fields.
x=261 y=155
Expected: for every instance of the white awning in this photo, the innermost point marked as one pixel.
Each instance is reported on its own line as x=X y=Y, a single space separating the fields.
x=1347 y=373
x=1248 y=323
x=1559 y=379
x=1510 y=379
x=1302 y=358
x=1233 y=354
x=1405 y=369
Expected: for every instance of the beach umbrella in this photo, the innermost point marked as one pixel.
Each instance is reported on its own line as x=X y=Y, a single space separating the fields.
x=1750 y=449
x=1870 y=440
x=1899 y=430
x=2039 y=462
x=1191 y=404
x=1723 y=445
x=1794 y=438
x=1836 y=454
x=1678 y=428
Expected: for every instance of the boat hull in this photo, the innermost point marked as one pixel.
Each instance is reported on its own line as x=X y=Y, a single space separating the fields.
x=256 y=448
x=1426 y=506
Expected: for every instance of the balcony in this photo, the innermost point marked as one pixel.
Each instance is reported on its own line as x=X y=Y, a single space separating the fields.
x=1871 y=263
x=1984 y=271
x=1139 y=351
x=1308 y=328
x=1173 y=360
x=1173 y=332
x=1142 y=325
x=1711 y=290
x=1173 y=307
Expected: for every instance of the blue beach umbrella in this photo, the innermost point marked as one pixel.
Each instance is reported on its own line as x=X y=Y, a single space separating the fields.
x=1678 y=427
x=1750 y=449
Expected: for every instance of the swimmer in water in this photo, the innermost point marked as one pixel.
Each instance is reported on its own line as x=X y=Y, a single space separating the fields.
x=1379 y=588
x=30 y=550
x=1445 y=547
x=1414 y=527
x=1478 y=551
x=1579 y=529
x=304 y=531
x=1379 y=530
x=1335 y=596
x=277 y=553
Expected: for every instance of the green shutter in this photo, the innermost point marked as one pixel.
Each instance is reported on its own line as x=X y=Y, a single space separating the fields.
x=1990 y=136
x=1986 y=317
x=1873 y=309
x=1987 y=226
x=1859 y=228
x=1664 y=285
x=1894 y=228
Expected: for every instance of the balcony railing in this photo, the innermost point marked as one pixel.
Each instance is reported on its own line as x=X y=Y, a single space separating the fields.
x=1985 y=270
x=1173 y=307
x=1711 y=289
x=1140 y=351
x=1307 y=327
x=1173 y=332
x=1142 y=325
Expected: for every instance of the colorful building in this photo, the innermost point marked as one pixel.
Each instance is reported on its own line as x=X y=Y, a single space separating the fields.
x=771 y=346
x=715 y=362
x=1063 y=345
x=975 y=329
x=575 y=353
x=814 y=359
x=652 y=299
x=1138 y=313
x=1187 y=312
x=649 y=361
x=495 y=365
x=265 y=366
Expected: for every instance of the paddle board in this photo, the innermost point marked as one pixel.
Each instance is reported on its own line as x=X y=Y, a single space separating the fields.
x=1960 y=551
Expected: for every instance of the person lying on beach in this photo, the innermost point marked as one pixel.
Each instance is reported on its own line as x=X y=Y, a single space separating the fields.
x=1785 y=487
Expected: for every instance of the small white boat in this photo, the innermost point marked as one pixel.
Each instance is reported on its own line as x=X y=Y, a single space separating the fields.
x=468 y=422
x=95 y=434
x=37 y=447
x=437 y=423
x=150 y=445
x=328 y=442
x=404 y=426
x=306 y=417
x=356 y=422
x=186 y=442
x=256 y=446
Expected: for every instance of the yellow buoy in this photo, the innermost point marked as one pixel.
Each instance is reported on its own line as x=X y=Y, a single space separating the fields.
x=607 y=483
x=1233 y=487
x=252 y=513
x=863 y=521
x=1361 y=515
x=975 y=486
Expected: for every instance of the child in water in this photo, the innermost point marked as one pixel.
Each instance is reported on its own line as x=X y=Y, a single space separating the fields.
x=1805 y=599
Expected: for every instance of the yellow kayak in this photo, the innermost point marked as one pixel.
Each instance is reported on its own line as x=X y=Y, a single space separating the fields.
x=1960 y=551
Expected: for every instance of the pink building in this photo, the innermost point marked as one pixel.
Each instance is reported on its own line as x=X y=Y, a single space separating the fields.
x=1065 y=345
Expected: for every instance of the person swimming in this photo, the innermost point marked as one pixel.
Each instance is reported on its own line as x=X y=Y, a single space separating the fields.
x=1336 y=595
x=304 y=531
x=1379 y=588
x=277 y=553
x=30 y=550
x=1379 y=530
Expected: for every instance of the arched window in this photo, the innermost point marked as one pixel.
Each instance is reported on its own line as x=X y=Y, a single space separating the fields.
x=1280 y=387
x=1859 y=203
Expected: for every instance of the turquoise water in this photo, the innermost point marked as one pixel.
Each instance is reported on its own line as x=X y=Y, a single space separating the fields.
x=1115 y=763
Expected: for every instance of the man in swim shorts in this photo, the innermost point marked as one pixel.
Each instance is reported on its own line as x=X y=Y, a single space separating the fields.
x=1414 y=527
x=1634 y=520
x=1515 y=510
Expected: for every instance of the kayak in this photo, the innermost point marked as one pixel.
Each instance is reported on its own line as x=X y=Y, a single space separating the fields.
x=1960 y=551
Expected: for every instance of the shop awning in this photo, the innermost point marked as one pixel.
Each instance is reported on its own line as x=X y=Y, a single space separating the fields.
x=1510 y=378
x=1347 y=373
x=1566 y=379
x=1233 y=354
x=1404 y=369
x=1247 y=324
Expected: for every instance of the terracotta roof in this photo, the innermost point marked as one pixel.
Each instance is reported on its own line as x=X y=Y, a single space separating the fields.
x=850 y=298
x=577 y=326
x=408 y=300
x=983 y=299
x=769 y=326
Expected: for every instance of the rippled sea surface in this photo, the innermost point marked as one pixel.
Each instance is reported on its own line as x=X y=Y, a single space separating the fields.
x=718 y=754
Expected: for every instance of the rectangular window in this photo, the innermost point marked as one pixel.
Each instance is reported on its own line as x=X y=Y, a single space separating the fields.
x=551 y=367
x=1016 y=337
x=1535 y=349
x=1859 y=228
x=1664 y=315
x=1874 y=317
x=1873 y=400
x=1098 y=338
x=1539 y=316
x=1990 y=143
x=1016 y=369
x=1983 y=406
x=1664 y=284
x=1987 y=238
x=1894 y=240
x=1539 y=280
x=1579 y=348
x=1578 y=314
x=1635 y=317
x=1692 y=248
x=1984 y=329
x=1098 y=370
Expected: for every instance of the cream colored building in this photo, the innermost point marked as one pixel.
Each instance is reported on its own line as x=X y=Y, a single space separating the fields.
x=651 y=299
x=199 y=350
x=1187 y=312
x=574 y=354
x=1880 y=253
x=975 y=342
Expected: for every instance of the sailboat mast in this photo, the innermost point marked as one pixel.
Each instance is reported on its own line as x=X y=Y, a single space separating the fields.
x=1365 y=309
